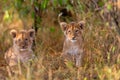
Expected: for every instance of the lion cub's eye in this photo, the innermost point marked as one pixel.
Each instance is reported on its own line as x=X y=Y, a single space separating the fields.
x=69 y=31
x=76 y=31
x=19 y=40
x=26 y=39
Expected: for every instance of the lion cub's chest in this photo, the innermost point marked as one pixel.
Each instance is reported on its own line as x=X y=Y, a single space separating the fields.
x=12 y=57
x=73 y=50
x=25 y=56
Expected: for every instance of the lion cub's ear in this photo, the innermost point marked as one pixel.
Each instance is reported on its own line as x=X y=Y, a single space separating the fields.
x=13 y=32
x=31 y=33
x=81 y=24
x=63 y=26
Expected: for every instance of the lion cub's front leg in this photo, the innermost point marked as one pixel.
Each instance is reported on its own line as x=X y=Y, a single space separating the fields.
x=79 y=58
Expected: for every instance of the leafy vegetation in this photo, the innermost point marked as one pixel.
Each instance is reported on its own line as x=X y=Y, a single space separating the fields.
x=101 y=37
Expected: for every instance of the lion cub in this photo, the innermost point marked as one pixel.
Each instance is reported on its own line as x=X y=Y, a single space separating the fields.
x=21 y=49
x=73 y=44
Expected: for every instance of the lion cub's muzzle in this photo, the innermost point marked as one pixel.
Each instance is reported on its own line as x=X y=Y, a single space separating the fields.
x=72 y=38
x=24 y=47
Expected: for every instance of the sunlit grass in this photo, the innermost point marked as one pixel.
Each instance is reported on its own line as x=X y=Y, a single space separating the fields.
x=101 y=60
x=101 y=49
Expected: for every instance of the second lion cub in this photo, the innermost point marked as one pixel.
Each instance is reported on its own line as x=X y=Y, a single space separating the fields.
x=21 y=49
x=73 y=44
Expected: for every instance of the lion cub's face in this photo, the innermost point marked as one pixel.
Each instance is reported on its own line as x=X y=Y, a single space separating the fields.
x=23 y=39
x=73 y=30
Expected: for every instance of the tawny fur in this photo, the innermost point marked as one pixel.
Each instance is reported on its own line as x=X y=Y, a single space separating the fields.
x=73 y=44
x=21 y=49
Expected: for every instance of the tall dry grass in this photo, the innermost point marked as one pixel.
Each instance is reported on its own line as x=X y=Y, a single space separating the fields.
x=101 y=49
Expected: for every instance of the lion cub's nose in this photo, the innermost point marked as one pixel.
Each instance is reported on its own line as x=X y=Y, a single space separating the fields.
x=73 y=38
x=23 y=47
